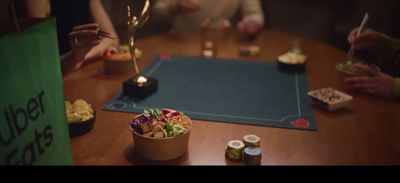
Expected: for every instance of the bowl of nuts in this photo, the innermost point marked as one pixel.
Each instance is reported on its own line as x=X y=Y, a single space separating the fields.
x=330 y=98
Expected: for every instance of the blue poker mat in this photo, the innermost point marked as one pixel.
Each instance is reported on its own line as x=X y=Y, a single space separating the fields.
x=225 y=90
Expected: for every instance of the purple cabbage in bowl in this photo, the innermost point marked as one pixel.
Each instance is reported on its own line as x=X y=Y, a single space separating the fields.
x=135 y=123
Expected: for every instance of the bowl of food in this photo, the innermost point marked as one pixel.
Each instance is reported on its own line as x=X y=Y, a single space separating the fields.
x=81 y=117
x=347 y=67
x=161 y=134
x=117 y=59
x=292 y=62
x=356 y=68
x=330 y=98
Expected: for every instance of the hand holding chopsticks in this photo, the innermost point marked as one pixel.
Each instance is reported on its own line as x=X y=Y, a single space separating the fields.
x=105 y=34
x=350 y=54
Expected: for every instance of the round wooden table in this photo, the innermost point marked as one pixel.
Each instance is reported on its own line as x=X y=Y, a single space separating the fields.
x=367 y=132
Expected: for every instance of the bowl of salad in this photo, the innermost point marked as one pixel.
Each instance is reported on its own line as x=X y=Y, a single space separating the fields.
x=160 y=134
x=347 y=67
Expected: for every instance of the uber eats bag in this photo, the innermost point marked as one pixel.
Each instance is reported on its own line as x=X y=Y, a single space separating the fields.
x=33 y=127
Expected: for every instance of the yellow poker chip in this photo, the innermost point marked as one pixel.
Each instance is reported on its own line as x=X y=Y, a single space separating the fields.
x=251 y=141
x=234 y=150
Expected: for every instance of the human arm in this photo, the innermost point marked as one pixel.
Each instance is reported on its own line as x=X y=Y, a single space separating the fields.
x=82 y=39
x=374 y=82
x=101 y=17
x=384 y=47
x=253 y=18
x=38 y=8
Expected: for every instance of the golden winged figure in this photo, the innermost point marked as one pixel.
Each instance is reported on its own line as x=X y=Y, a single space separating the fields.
x=135 y=23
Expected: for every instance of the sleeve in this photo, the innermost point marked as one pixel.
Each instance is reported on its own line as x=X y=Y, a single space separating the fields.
x=252 y=8
x=387 y=49
x=164 y=9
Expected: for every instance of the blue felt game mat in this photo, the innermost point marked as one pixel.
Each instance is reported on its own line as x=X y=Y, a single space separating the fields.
x=233 y=91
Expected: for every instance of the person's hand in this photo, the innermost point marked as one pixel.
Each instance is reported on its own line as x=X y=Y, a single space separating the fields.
x=367 y=39
x=82 y=39
x=248 y=27
x=373 y=82
x=188 y=6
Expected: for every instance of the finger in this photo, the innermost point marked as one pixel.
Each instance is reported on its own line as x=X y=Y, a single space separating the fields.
x=240 y=26
x=359 y=38
x=89 y=40
x=369 y=86
x=91 y=26
x=358 y=79
x=362 y=67
x=83 y=33
x=352 y=35
x=350 y=39
x=366 y=69
x=84 y=38
x=245 y=30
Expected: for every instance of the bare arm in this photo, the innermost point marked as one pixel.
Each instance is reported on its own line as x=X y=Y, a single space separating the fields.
x=253 y=18
x=252 y=8
x=91 y=49
x=101 y=17
x=38 y=8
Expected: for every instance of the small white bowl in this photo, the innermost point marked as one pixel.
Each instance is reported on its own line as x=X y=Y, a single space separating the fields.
x=330 y=98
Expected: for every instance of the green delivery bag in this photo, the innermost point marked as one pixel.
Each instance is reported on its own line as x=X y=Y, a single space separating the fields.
x=33 y=127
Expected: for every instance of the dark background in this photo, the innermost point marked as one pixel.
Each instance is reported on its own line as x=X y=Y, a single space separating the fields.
x=325 y=20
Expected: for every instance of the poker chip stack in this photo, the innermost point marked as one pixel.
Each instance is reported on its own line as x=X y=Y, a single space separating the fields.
x=252 y=151
x=252 y=156
x=234 y=150
x=247 y=150
x=249 y=51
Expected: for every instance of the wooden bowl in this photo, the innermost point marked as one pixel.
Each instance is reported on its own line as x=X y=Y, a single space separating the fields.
x=117 y=60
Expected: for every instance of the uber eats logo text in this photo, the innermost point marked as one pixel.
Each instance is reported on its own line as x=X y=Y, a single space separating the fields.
x=16 y=123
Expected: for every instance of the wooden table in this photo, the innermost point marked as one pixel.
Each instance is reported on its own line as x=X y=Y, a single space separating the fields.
x=368 y=132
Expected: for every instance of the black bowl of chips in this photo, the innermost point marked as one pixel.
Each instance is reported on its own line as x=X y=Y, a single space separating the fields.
x=292 y=62
x=81 y=117
x=76 y=129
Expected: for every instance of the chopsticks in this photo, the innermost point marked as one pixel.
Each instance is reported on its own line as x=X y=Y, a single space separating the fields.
x=105 y=34
x=350 y=54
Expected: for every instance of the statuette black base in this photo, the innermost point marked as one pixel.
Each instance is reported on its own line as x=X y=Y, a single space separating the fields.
x=133 y=89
